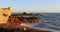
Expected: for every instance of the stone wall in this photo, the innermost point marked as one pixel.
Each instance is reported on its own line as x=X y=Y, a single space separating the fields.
x=4 y=14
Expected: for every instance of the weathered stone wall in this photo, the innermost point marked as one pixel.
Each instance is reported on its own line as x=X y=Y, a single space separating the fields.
x=4 y=14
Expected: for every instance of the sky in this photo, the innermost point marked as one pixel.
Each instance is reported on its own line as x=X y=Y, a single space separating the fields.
x=32 y=5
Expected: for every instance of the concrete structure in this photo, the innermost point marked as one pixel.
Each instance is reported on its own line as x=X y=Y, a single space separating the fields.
x=4 y=14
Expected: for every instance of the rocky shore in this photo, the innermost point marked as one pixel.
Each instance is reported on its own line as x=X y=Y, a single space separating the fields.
x=13 y=24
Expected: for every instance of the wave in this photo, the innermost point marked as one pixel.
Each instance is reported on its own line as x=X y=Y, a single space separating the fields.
x=50 y=22
x=44 y=29
x=43 y=25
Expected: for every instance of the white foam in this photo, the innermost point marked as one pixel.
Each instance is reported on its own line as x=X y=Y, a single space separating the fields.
x=45 y=29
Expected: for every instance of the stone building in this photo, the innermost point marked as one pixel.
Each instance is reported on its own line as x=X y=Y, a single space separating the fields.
x=4 y=14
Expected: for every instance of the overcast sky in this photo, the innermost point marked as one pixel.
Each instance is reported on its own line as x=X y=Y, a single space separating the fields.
x=32 y=5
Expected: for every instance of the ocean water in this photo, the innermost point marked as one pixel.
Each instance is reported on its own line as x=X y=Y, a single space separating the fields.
x=50 y=21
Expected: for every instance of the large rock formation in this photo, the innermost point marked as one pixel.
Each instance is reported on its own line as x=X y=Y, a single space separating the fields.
x=4 y=14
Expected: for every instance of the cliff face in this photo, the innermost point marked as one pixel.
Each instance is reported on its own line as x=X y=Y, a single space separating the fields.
x=4 y=14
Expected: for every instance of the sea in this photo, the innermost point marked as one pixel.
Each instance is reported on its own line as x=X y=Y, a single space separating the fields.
x=49 y=22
